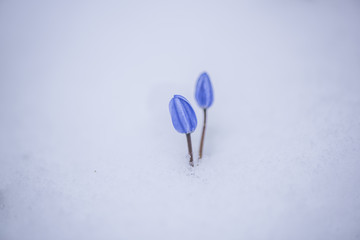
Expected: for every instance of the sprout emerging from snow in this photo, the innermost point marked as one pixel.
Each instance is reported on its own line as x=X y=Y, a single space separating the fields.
x=204 y=97
x=184 y=119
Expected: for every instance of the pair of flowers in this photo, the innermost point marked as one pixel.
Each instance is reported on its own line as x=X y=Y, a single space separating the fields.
x=183 y=116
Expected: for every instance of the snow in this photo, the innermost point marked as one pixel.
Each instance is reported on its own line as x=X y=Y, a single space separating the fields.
x=88 y=151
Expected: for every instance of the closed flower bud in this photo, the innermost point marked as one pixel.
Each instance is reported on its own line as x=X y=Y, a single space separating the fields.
x=204 y=91
x=182 y=115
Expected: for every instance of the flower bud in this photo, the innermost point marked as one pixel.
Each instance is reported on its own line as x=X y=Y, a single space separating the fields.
x=204 y=91
x=182 y=114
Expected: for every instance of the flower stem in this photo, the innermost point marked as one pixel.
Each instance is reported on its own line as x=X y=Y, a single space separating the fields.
x=202 y=136
x=188 y=138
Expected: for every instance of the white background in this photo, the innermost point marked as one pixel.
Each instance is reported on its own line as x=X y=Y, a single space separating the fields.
x=88 y=151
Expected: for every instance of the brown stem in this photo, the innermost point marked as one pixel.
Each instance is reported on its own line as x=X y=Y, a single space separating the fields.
x=202 y=136
x=188 y=138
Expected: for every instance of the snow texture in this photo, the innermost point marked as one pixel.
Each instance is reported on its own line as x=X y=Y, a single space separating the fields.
x=88 y=150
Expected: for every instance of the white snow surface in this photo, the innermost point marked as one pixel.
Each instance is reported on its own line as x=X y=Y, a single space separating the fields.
x=88 y=151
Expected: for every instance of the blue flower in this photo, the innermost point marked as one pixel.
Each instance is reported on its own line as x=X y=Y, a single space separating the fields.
x=182 y=115
x=204 y=91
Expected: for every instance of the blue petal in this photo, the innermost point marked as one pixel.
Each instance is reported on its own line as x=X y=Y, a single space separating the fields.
x=182 y=114
x=204 y=91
